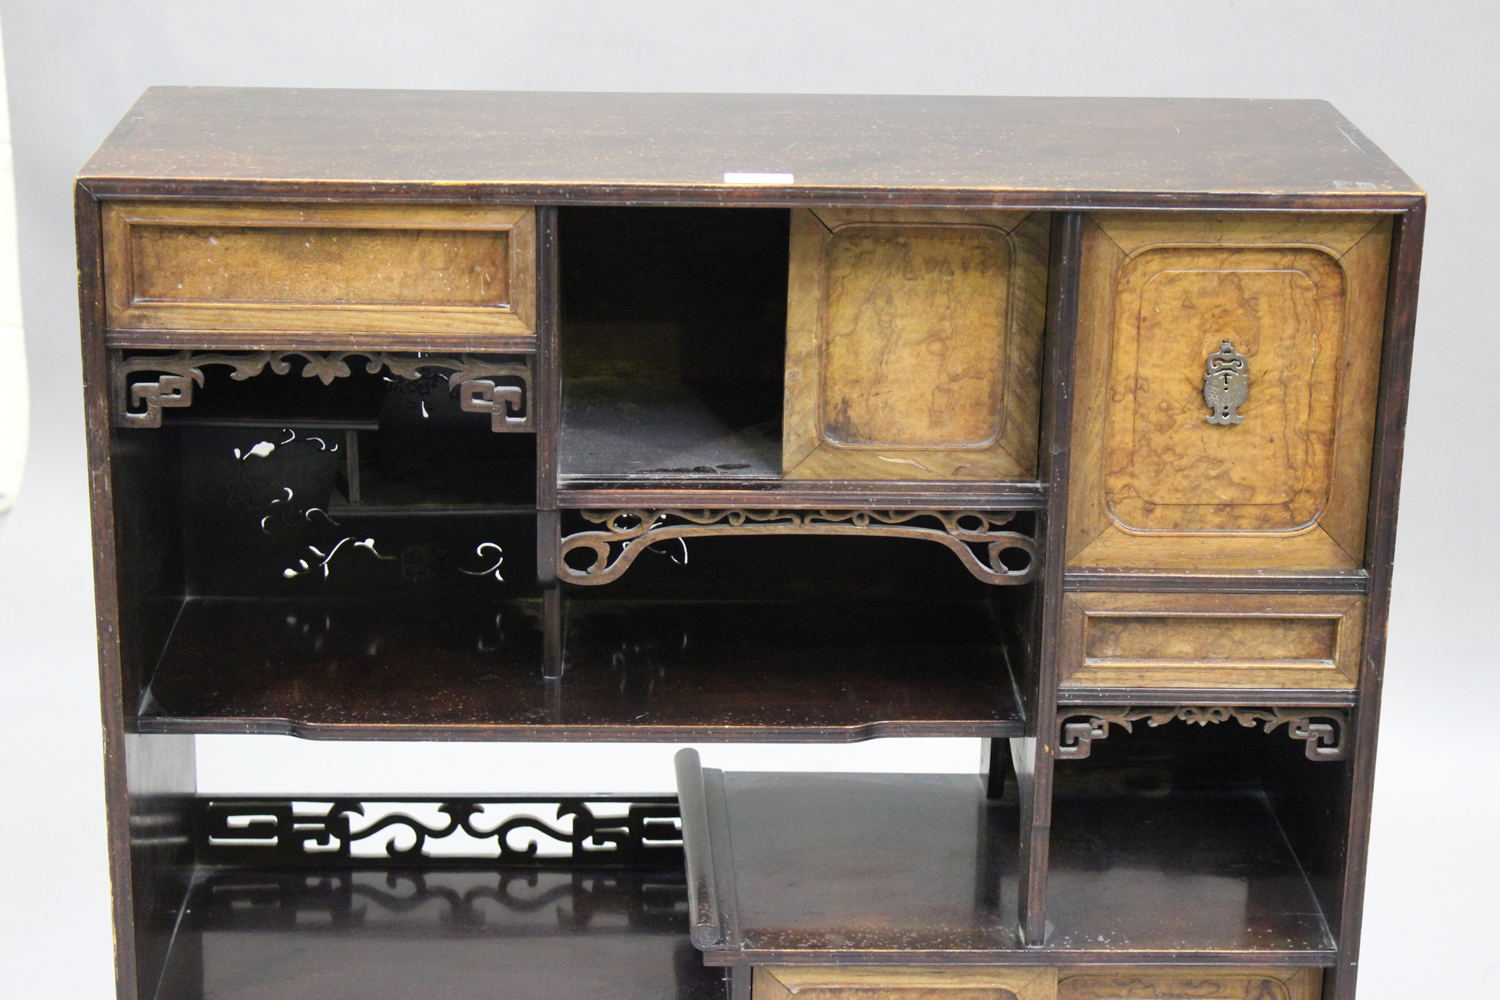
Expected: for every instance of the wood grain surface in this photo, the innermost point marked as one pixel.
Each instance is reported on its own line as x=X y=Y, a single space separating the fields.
x=1157 y=983
x=1211 y=640
x=849 y=149
x=816 y=982
x=913 y=344
x=347 y=269
x=1156 y=484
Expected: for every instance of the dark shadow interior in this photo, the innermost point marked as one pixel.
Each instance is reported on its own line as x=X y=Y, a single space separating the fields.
x=1181 y=836
x=281 y=528
x=673 y=341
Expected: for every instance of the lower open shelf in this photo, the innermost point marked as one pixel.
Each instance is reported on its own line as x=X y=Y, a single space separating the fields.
x=350 y=899
x=908 y=869
x=1179 y=871
x=249 y=934
x=635 y=670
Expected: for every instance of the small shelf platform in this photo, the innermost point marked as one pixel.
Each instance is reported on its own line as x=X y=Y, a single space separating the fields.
x=635 y=670
x=888 y=869
x=662 y=430
x=1146 y=872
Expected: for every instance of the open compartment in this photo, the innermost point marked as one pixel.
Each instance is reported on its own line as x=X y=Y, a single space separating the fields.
x=848 y=869
x=672 y=342
x=297 y=554
x=351 y=897
x=801 y=637
x=1174 y=837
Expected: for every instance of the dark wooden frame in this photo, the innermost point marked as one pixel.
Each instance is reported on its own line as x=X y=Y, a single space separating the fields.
x=150 y=775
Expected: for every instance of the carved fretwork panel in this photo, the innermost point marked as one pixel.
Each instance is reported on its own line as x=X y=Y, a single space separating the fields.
x=378 y=832
x=990 y=554
x=488 y=384
x=1323 y=730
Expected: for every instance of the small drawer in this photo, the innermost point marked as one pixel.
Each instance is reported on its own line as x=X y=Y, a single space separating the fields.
x=913 y=344
x=956 y=982
x=247 y=270
x=879 y=983
x=1166 y=983
x=1305 y=641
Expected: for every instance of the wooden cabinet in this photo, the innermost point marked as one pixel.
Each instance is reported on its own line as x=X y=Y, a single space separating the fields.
x=1072 y=426
x=1156 y=481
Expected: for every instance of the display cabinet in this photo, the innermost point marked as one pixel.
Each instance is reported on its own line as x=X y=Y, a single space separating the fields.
x=1073 y=425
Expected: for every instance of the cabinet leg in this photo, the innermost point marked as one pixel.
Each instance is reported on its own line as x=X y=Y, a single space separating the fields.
x=994 y=765
x=739 y=982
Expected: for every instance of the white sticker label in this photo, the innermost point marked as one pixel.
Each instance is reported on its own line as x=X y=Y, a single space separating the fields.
x=757 y=178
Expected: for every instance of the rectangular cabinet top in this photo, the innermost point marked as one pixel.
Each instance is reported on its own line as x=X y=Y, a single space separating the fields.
x=745 y=148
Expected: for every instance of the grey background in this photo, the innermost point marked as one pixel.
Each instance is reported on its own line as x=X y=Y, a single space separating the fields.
x=1419 y=79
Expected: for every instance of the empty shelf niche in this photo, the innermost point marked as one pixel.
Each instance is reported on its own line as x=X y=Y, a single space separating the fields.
x=1202 y=830
x=290 y=545
x=673 y=338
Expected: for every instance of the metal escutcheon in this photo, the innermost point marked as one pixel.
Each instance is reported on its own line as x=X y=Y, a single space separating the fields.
x=1226 y=384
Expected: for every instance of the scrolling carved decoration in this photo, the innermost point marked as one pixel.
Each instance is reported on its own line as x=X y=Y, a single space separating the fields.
x=1324 y=738
x=458 y=833
x=1002 y=557
x=482 y=383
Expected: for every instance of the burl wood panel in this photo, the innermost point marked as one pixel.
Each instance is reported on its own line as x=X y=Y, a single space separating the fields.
x=913 y=344
x=1155 y=484
x=1158 y=983
x=251 y=269
x=1128 y=640
x=880 y=983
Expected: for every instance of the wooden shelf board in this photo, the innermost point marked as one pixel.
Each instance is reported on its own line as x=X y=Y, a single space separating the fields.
x=1181 y=872
x=908 y=869
x=405 y=935
x=657 y=430
x=598 y=493
x=637 y=671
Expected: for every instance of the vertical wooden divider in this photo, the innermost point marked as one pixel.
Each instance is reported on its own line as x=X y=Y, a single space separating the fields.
x=1380 y=548
x=546 y=404
x=1033 y=754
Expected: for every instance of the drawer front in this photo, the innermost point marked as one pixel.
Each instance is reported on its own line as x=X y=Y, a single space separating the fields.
x=1227 y=371
x=255 y=269
x=1211 y=641
x=1158 y=983
x=880 y=983
x=955 y=982
x=913 y=344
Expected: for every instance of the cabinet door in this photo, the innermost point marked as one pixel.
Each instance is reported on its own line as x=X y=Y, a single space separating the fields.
x=1226 y=375
x=913 y=344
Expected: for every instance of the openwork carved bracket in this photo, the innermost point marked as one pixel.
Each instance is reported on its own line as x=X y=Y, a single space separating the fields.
x=992 y=555
x=458 y=833
x=500 y=388
x=1324 y=738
